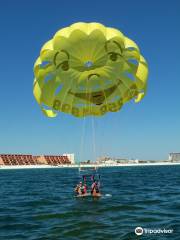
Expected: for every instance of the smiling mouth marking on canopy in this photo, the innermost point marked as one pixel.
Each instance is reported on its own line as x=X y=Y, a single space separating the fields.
x=97 y=97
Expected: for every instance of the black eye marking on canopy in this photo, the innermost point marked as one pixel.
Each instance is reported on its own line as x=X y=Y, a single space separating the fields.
x=115 y=42
x=113 y=55
x=65 y=64
x=118 y=46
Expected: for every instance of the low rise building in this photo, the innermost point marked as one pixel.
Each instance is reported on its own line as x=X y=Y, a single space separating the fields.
x=113 y=160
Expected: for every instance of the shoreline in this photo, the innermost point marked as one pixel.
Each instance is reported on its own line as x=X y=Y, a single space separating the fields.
x=43 y=166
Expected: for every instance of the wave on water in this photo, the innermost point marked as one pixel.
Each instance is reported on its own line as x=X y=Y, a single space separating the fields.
x=40 y=204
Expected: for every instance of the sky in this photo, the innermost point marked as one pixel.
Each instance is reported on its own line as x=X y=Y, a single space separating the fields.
x=147 y=130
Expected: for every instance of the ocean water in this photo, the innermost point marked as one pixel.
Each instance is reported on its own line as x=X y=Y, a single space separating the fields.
x=39 y=204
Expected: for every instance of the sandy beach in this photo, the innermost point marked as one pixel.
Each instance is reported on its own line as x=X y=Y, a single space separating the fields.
x=88 y=165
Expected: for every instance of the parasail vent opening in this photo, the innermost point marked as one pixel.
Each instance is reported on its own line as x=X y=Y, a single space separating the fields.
x=88 y=64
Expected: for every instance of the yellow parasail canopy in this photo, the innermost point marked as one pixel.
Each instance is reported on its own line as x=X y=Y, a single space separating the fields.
x=88 y=69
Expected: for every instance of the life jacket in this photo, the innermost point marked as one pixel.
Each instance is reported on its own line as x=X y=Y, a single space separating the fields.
x=77 y=188
x=95 y=186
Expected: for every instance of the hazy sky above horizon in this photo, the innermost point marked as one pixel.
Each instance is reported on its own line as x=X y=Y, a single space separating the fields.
x=148 y=130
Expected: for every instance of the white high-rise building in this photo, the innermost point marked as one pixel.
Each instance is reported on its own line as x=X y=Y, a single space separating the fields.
x=71 y=157
x=174 y=157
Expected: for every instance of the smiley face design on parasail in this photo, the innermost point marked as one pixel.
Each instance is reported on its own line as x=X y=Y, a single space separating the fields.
x=88 y=69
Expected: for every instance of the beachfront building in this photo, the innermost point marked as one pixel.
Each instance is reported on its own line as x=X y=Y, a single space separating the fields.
x=18 y=159
x=115 y=160
x=174 y=157
x=27 y=159
x=71 y=157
